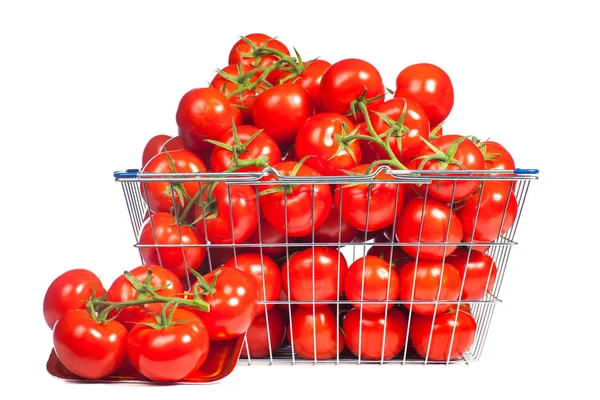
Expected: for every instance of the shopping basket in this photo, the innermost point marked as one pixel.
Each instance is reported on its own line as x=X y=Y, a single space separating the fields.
x=481 y=310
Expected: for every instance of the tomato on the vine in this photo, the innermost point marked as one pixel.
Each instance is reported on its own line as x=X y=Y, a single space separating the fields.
x=310 y=78
x=496 y=156
x=260 y=332
x=478 y=270
x=241 y=47
x=305 y=328
x=371 y=278
x=153 y=147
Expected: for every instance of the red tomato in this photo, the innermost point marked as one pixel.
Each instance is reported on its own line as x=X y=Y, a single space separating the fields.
x=379 y=198
x=398 y=256
x=348 y=80
x=174 y=143
x=259 y=336
x=426 y=282
x=123 y=290
x=406 y=141
x=334 y=230
x=323 y=326
x=299 y=205
x=264 y=271
x=153 y=147
x=232 y=305
x=70 y=291
x=467 y=154
x=281 y=110
x=326 y=269
x=497 y=157
x=162 y=229
x=371 y=278
x=310 y=78
x=433 y=229
x=479 y=273
x=205 y=114
x=230 y=208
x=245 y=99
x=261 y=146
x=320 y=137
x=371 y=340
x=430 y=87
x=171 y=353
x=89 y=349
x=160 y=195
x=259 y=39
x=443 y=324
x=267 y=235
x=497 y=212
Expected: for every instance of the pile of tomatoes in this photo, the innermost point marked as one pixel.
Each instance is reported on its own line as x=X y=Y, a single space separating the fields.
x=269 y=109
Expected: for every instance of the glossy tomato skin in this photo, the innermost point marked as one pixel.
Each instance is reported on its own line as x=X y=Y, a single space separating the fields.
x=468 y=155
x=70 y=291
x=435 y=226
x=443 y=325
x=382 y=206
x=427 y=283
x=378 y=276
x=256 y=266
x=205 y=113
x=259 y=39
x=261 y=146
x=497 y=157
x=415 y=120
x=371 y=340
x=171 y=353
x=310 y=78
x=175 y=143
x=329 y=266
x=304 y=327
x=335 y=229
x=497 y=212
x=478 y=270
x=430 y=87
x=281 y=110
x=158 y=194
x=87 y=348
x=153 y=147
x=258 y=334
x=122 y=290
x=232 y=305
x=317 y=138
x=162 y=229
x=298 y=205
x=235 y=209
x=346 y=81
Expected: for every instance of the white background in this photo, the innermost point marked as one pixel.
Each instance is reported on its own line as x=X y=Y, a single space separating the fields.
x=84 y=85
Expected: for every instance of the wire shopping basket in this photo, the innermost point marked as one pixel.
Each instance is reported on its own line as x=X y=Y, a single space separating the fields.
x=416 y=321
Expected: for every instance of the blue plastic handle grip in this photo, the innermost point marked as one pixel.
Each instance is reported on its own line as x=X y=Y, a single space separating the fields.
x=525 y=171
x=128 y=173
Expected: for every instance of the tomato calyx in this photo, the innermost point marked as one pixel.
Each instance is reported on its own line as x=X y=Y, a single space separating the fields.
x=164 y=320
x=362 y=100
x=434 y=133
x=201 y=286
x=483 y=147
x=257 y=52
x=344 y=139
x=239 y=148
x=243 y=82
x=445 y=159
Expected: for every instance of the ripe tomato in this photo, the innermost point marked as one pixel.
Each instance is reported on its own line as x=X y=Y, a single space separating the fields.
x=160 y=195
x=259 y=336
x=497 y=157
x=335 y=229
x=261 y=146
x=443 y=325
x=123 y=290
x=259 y=39
x=380 y=200
x=378 y=277
x=88 y=348
x=323 y=325
x=153 y=147
x=304 y=204
x=348 y=80
x=230 y=208
x=310 y=78
x=245 y=99
x=321 y=138
x=434 y=216
x=327 y=270
x=406 y=141
x=264 y=271
x=232 y=305
x=467 y=154
x=426 y=282
x=281 y=110
x=175 y=143
x=497 y=212
x=70 y=291
x=430 y=87
x=398 y=256
x=162 y=229
x=479 y=273
x=205 y=114
x=372 y=326
x=168 y=354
